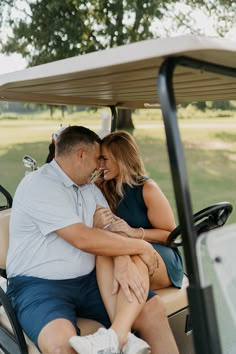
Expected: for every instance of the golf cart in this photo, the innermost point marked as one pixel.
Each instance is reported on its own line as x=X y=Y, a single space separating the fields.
x=146 y=74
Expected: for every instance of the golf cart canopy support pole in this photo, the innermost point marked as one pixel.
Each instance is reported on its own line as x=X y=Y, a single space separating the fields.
x=205 y=329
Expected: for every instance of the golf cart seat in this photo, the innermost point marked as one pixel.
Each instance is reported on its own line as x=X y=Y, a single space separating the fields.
x=12 y=338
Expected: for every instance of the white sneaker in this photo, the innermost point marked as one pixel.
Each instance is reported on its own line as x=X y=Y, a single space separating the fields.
x=104 y=341
x=136 y=345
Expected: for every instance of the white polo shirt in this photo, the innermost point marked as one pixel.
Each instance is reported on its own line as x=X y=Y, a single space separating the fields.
x=47 y=200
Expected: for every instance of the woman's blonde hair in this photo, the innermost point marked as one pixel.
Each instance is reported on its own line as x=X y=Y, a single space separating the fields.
x=124 y=151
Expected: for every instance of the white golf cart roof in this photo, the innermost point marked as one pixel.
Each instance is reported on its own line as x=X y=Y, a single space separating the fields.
x=126 y=76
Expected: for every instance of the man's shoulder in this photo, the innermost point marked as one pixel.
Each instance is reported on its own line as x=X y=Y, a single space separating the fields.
x=40 y=181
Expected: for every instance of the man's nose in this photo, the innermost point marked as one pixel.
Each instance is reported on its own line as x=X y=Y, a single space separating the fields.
x=101 y=163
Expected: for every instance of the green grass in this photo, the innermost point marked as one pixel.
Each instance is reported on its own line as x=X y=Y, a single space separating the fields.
x=209 y=147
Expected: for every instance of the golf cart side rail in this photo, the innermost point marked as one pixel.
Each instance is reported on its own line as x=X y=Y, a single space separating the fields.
x=206 y=334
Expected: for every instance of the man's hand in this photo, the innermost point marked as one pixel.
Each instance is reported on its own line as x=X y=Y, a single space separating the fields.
x=127 y=276
x=102 y=217
x=150 y=258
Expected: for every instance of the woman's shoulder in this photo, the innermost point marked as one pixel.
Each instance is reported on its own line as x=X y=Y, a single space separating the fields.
x=150 y=185
x=149 y=182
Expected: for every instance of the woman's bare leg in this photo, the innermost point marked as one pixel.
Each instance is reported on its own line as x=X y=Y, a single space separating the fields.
x=160 y=279
x=159 y=335
x=105 y=276
x=153 y=327
x=121 y=312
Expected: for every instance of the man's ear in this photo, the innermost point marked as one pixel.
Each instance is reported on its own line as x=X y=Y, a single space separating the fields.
x=81 y=153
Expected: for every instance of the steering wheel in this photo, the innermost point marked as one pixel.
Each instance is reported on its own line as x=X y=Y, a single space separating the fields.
x=8 y=197
x=204 y=220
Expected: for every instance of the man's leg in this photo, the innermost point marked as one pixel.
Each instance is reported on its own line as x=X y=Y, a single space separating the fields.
x=153 y=327
x=54 y=337
x=45 y=311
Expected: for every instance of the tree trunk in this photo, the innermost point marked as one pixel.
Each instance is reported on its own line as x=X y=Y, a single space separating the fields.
x=125 y=119
x=51 y=111
x=63 y=111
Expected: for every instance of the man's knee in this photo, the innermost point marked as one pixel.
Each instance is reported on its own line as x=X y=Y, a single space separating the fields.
x=57 y=349
x=54 y=347
x=54 y=337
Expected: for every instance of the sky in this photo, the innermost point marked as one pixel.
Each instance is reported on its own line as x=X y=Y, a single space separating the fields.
x=10 y=63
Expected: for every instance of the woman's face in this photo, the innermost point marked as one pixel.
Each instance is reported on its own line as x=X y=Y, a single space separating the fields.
x=110 y=167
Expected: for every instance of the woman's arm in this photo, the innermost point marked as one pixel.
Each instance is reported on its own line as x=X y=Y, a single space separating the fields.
x=159 y=213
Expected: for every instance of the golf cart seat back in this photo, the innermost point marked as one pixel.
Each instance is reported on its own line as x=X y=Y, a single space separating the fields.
x=4 y=231
x=175 y=300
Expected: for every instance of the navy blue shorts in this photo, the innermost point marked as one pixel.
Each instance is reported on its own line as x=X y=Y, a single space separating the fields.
x=38 y=301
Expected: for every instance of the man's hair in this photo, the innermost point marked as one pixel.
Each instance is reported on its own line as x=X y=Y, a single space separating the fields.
x=73 y=136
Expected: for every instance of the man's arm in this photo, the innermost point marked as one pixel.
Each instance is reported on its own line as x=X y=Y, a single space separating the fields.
x=106 y=243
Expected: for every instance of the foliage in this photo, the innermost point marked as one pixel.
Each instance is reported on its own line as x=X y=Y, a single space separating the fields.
x=19 y=107
x=52 y=30
x=217 y=14
x=44 y=31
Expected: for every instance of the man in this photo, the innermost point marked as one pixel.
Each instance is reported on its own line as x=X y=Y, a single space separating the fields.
x=51 y=258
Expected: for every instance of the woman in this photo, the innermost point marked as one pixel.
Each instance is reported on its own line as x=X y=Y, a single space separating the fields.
x=143 y=210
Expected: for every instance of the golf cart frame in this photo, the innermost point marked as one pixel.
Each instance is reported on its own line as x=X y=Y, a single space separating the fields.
x=183 y=57
x=206 y=334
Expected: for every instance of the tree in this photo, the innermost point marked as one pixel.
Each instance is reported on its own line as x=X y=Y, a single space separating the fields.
x=217 y=17
x=52 y=30
x=48 y=30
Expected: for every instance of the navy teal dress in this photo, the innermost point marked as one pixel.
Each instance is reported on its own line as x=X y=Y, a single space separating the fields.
x=133 y=210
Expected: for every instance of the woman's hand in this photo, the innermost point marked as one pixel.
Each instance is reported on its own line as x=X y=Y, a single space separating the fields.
x=102 y=217
x=120 y=226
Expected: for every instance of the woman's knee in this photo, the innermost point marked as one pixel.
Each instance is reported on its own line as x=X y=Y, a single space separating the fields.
x=156 y=307
x=153 y=312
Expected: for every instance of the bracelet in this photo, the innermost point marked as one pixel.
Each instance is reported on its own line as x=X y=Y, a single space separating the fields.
x=106 y=226
x=143 y=232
